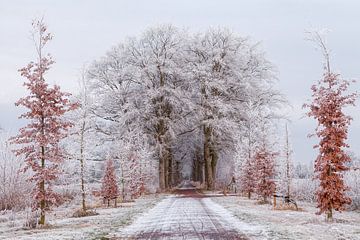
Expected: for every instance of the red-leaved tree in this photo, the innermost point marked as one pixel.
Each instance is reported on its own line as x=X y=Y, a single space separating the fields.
x=109 y=187
x=329 y=99
x=247 y=177
x=39 y=139
x=264 y=172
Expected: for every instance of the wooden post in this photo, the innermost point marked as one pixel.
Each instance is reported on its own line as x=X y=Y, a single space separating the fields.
x=274 y=201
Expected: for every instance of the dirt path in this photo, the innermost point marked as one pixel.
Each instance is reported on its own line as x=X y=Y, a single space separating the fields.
x=187 y=215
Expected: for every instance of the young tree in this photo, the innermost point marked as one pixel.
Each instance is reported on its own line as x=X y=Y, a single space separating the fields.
x=109 y=188
x=286 y=167
x=289 y=165
x=81 y=141
x=137 y=166
x=247 y=178
x=264 y=167
x=130 y=176
x=329 y=99
x=264 y=161
x=247 y=148
x=258 y=109
x=39 y=140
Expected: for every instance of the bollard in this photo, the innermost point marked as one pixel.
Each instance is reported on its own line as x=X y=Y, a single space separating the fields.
x=274 y=201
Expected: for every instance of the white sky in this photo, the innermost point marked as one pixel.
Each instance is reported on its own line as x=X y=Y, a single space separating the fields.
x=84 y=30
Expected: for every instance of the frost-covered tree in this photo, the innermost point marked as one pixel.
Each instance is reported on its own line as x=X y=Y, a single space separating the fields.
x=264 y=164
x=14 y=192
x=247 y=178
x=304 y=171
x=109 y=187
x=329 y=97
x=82 y=138
x=352 y=179
x=286 y=166
x=226 y=70
x=163 y=85
x=260 y=108
x=39 y=139
x=131 y=177
x=264 y=167
x=184 y=93
x=136 y=166
x=139 y=85
x=249 y=137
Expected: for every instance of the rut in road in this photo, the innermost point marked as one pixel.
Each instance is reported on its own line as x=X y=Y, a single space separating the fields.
x=188 y=215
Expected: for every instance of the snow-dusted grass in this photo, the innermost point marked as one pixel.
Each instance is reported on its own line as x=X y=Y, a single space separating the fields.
x=286 y=224
x=63 y=226
x=191 y=216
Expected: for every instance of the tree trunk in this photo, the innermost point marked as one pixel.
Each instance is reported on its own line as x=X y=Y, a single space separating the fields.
x=288 y=177
x=194 y=173
x=82 y=166
x=42 y=183
x=214 y=159
x=122 y=181
x=163 y=111
x=177 y=173
x=197 y=166
x=162 y=155
x=42 y=202
x=161 y=173
x=207 y=158
x=201 y=171
x=329 y=216
x=166 y=169
x=170 y=169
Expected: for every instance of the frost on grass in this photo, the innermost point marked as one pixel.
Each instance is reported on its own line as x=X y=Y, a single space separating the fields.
x=63 y=226
x=291 y=224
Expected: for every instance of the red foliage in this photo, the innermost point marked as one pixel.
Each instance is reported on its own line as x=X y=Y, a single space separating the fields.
x=327 y=109
x=109 y=188
x=247 y=178
x=39 y=140
x=264 y=172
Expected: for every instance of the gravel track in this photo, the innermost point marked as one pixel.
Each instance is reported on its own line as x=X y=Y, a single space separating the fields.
x=186 y=215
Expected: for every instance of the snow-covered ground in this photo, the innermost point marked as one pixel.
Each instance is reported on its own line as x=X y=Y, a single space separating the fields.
x=63 y=226
x=187 y=216
x=285 y=224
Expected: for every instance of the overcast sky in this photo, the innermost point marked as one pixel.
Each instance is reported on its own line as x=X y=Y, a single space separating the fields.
x=84 y=30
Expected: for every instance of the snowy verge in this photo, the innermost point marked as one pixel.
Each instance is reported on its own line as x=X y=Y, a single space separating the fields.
x=63 y=226
x=285 y=224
